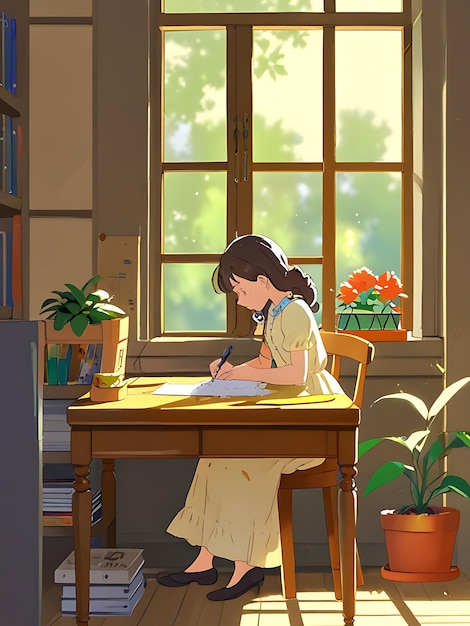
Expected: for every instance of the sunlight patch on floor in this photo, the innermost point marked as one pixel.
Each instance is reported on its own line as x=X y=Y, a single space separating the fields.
x=447 y=612
x=320 y=609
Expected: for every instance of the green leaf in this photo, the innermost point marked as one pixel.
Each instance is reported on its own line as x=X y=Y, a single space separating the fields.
x=385 y=474
x=73 y=307
x=461 y=436
x=418 y=404
x=64 y=295
x=110 y=308
x=56 y=307
x=434 y=452
x=79 y=324
x=446 y=395
x=417 y=440
x=61 y=320
x=89 y=283
x=365 y=446
x=455 y=484
x=49 y=301
x=78 y=295
x=97 y=316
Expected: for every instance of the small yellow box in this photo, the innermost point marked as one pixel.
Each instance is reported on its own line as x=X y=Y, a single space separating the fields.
x=108 y=394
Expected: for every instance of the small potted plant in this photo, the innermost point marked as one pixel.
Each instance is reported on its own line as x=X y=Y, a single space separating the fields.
x=85 y=317
x=367 y=303
x=419 y=536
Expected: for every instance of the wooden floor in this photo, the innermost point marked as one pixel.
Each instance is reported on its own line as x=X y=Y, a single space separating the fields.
x=379 y=603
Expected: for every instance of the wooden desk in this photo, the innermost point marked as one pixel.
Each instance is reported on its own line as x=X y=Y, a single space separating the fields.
x=151 y=426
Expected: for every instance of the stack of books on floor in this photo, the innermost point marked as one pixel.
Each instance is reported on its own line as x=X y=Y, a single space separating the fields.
x=57 y=503
x=116 y=581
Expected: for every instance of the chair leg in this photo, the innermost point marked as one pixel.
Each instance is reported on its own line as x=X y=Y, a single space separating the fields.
x=284 y=497
x=330 y=500
x=330 y=503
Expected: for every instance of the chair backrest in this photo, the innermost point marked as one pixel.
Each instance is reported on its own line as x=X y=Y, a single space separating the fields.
x=352 y=347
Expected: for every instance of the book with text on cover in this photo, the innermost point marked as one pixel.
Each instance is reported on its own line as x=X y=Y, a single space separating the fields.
x=113 y=566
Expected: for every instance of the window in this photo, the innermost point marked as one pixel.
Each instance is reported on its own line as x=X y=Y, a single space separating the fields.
x=291 y=119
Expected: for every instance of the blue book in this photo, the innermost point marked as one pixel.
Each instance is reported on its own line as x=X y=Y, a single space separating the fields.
x=52 y=364
x=7 y=51
x=2 y=49
x=63 y=363
x=13 y=55
x=14 y=161
x=8 y=152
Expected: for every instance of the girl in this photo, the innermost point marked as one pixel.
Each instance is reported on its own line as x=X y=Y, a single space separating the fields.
x=231 y=507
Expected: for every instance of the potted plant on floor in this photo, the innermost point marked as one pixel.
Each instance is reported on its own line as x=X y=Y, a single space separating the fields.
x=87 y=318
x=419 y=536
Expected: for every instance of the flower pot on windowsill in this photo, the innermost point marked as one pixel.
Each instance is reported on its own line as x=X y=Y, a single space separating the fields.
x=420 y=547
x=372 y=326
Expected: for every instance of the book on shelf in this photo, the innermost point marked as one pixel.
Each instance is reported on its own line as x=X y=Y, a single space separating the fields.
x=107 y=591
x=16 y=282
x=72 y=363
x=13 y=56
x=110 y=566
x=57 y=508
x=107 y=606
x=10 y=260
x=6 y=51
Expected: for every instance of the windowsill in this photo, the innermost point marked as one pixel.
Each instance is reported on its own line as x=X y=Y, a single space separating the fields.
x=192 y=355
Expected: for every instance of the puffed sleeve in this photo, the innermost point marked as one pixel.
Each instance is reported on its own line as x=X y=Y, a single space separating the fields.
x=298 y=326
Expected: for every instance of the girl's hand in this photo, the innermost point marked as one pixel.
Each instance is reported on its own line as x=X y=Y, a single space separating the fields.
x=239 y=372
x=226 y=367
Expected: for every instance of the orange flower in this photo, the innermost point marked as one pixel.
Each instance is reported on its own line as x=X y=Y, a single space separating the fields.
x=347 y=293
x=362 y=279
x=389 y=287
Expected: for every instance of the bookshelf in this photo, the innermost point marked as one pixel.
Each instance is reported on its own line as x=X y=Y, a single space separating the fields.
x=14 y=170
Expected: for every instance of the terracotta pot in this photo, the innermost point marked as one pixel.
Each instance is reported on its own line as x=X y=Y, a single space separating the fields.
x=421 y=546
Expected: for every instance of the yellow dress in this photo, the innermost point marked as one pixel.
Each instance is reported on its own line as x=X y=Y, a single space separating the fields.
x=231 y=506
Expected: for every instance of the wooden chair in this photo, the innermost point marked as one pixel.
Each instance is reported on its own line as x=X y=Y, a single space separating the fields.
x=325 y=475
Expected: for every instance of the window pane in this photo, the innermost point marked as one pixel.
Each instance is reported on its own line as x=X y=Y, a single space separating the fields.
x=287 y=208
x=368 y=226
x=240 y=6
x=195 y=96
x=287 y=102
x=369 y=95
x=190 y=301
x=194 y=206
x=376 y=6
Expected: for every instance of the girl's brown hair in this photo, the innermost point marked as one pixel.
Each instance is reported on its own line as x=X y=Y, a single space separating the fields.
x=249 y=256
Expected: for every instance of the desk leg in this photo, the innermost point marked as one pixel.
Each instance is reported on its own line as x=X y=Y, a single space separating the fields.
x=347 y=507
x=81 y=511
x=108 y=495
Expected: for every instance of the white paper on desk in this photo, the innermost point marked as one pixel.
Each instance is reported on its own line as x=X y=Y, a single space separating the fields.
x=216 y=387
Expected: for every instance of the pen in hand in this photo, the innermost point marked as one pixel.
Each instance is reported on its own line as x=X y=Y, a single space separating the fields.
x=225 y=356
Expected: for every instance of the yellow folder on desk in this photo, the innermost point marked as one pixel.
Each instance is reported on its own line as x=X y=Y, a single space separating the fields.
x=298 y=400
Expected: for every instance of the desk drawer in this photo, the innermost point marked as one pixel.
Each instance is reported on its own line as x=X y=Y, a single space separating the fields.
x=274 y=442
x=120 y=443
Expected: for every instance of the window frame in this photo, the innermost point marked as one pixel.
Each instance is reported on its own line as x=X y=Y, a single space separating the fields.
x=328 y=21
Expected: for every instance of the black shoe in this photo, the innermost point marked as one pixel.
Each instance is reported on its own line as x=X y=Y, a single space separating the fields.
x=253 y=578
x=180 y=579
